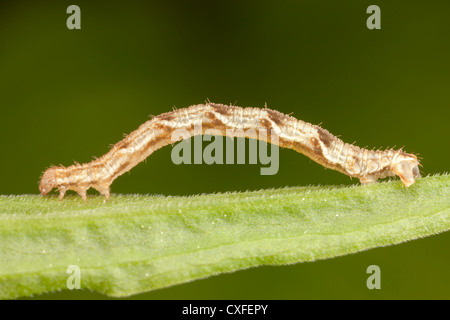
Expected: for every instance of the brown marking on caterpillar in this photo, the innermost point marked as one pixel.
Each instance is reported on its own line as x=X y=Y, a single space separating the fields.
x=325 y=137
x=310 y=140
x=275 y=116
x=168 y=116
x=122 y=144
x=221 y=109
x=316 y=145
x=214 y=124
x=210 y=115
x=159 y=126
x=156 y=141
x=265 y=124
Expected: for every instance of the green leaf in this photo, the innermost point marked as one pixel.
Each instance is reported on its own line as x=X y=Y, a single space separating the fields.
x=135 y=243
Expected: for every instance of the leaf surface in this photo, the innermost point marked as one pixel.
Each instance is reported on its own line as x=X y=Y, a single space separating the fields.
x=134 y=243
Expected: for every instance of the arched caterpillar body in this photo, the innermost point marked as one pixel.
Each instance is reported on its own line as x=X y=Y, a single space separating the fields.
x=310 y=140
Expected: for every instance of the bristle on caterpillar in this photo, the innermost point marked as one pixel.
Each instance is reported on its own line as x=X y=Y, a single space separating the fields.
x=311 y=140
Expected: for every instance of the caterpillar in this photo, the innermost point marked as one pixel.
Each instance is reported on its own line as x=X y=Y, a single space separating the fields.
x=311 y=140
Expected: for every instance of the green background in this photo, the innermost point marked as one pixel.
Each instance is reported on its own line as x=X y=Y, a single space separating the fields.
x=67 y=95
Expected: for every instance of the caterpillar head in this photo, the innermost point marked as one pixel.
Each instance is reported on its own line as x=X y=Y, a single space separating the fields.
x=406 y=166
x=48 y=181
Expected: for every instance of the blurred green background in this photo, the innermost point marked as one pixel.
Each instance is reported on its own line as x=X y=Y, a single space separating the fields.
x=67 y=95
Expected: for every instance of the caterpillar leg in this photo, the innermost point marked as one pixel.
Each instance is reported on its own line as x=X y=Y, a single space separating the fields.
x=367 y=179
x=82 y=193
x=408 y=171
x=104 y=190
x=62 y=192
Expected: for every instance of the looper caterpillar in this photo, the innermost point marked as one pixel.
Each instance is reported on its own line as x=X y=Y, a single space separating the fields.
x=311 y=140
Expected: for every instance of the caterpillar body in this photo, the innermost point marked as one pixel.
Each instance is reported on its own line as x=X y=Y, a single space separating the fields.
x=311 y=140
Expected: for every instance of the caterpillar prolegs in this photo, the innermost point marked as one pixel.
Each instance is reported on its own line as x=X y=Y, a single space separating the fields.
x=311 y=140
